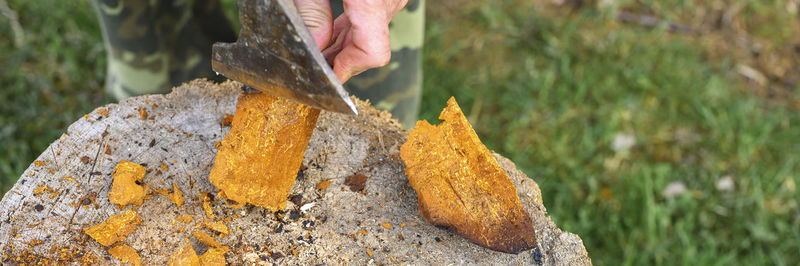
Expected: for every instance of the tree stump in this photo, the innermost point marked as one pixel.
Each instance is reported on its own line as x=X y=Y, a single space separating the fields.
x=174 y=136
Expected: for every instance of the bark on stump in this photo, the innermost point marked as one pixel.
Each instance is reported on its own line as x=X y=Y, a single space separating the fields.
x=66 y=189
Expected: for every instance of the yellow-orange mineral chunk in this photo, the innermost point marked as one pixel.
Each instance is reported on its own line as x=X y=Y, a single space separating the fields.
x=124 y=189
x=258 y=160
x=185 y=256
x=116 y=228
x=460 y=185
x=126 y=254
x=214 y=256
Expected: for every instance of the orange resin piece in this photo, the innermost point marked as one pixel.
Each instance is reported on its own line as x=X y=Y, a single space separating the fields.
x=176 y=196
x=206 y=239
x=116 y=228
x=124 y=189
x=217 y=226
x=460 y=185
x=258 y=160
x=126 y=254
x=214 y=256
x=184 y=256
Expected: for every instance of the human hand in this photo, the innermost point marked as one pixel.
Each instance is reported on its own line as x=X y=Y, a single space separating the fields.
x=358 y=39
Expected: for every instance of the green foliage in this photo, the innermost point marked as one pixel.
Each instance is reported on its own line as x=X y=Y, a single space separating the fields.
x=550 y=89
x=50 y=82
x=553 y=92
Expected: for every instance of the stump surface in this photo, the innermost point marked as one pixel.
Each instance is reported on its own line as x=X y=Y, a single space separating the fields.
x=66 y=189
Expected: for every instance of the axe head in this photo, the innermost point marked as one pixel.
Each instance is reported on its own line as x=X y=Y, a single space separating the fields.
x=276 y=54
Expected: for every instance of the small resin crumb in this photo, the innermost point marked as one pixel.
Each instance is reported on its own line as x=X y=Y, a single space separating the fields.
x=126 y=254
x=206 y=239
x=184 y=256
x=126 y=188
x=217 y=226
x=116 y=228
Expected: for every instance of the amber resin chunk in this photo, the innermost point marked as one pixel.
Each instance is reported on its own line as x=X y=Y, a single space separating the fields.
x=206 y=239
x=116 y=228
x=126 y=254
x=258 y=160
x=214 y=256
x=124 y=189
x=184 y=256
x=461 y=186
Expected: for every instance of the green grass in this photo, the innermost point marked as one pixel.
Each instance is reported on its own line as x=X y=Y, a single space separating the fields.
x=550 y=89
x=50 y=82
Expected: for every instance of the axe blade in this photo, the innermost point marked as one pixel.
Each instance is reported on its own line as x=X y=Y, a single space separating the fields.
x=275 y=53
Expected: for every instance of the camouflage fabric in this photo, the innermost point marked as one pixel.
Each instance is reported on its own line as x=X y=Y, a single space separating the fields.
x=154 y=45
x=396 y=87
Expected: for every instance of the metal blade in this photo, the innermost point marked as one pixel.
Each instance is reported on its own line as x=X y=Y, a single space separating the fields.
x=275 y=53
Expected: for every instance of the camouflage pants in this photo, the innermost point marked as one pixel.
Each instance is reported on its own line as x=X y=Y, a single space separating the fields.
x=157 y=44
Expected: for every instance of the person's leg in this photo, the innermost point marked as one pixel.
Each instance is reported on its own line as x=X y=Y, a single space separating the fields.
x=397 y=86
x=156 y=44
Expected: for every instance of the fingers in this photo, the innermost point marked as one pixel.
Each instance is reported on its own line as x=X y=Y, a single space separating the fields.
x=318 y=18
x=341 y=29
x=366 y=44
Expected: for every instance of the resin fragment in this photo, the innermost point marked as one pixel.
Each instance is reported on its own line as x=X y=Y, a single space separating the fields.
x=126 y=254
x=206 y=239
x=116 y=228
x=214 y=256
x=259 y=159
x=124 y=189
x=176 y=196
x=217 y=226
x=460 y=185
x=184 y=256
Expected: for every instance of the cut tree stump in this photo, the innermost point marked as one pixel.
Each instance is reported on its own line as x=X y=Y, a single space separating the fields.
x=174 y=136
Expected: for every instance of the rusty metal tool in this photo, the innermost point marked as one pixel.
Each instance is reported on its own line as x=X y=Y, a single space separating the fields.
x=275 y=53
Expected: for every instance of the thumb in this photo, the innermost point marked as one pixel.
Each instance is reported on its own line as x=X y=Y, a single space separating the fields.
x=318 y=18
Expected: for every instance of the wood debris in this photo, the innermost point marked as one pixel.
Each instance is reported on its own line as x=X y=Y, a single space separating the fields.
x=126 y=188
x=356 y=182
x=259 y=159
x=184 y=256
x=126 y=254
x=460 y=185
x=115 y=228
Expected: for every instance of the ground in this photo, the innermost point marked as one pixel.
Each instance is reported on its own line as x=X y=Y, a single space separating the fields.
x=663 y=132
